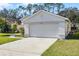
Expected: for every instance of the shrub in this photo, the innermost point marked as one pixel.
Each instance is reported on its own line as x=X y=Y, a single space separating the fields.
x=14 y=28
x=21 y=30
x=5 y=28
x=73 y=36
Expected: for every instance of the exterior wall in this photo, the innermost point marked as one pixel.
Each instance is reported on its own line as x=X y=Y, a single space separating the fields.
x=44 y=17
x=67 y=27
x=26 y=30
x=61 y=30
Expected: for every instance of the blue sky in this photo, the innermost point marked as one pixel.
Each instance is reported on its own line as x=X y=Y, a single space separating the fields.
x=15 y=5
x=10 y=5
x=71 y=5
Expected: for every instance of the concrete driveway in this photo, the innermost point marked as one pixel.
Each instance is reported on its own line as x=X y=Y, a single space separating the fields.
x=26 y=46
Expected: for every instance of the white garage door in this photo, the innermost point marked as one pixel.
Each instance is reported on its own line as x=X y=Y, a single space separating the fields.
x=44 y=30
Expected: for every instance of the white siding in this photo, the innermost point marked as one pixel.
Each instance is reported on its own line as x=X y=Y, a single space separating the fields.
x=67 y=27
x=44 y=17
x=26 y=30
x=44 y=24
x=62 y=30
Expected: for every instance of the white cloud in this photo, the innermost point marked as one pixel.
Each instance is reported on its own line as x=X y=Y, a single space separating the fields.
x=8 y=5
x=4 y=5
x=11 y=5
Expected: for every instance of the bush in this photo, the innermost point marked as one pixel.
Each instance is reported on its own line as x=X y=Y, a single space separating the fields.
x=21 y=30
x=14 y=28
x=5 y=28
x=73 y=36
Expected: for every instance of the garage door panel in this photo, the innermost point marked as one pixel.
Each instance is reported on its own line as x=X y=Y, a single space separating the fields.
x=44 y=30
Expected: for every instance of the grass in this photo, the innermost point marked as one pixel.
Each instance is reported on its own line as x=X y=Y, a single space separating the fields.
x=63 y=48
x=4 y=37
x=8 y=34
x=6 y=40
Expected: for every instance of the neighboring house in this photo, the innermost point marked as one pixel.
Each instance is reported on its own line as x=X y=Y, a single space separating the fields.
x=45 y=24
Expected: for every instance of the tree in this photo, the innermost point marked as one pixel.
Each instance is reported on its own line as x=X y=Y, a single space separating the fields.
x=77 y=19
x=2 y=22
x=50 y=6
x=4 y=13
x=29 y=8
x=22 y=11
x=33 y=8
x=47 y=6
x=72 y=14
x=4 y=27
x=25 y=10
x=53 y=7
x=38 y=7
x=59 y=6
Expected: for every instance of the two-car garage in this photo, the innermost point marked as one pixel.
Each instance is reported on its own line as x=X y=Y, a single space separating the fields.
x=45 y=24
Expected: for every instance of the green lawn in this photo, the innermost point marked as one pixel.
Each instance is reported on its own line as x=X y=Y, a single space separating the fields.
x=4 y=37
x=63 y=48
x=8 y=34
x=6 y=40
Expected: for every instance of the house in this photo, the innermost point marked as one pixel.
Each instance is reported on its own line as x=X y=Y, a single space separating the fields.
x=46 y=24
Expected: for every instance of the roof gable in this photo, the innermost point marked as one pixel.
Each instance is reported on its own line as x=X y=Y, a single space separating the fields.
x=44 y=16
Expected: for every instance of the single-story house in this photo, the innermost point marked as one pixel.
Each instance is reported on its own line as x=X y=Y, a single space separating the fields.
x=46 y=24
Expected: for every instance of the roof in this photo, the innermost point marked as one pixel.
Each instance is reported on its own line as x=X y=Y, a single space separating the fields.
x=27 y=18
